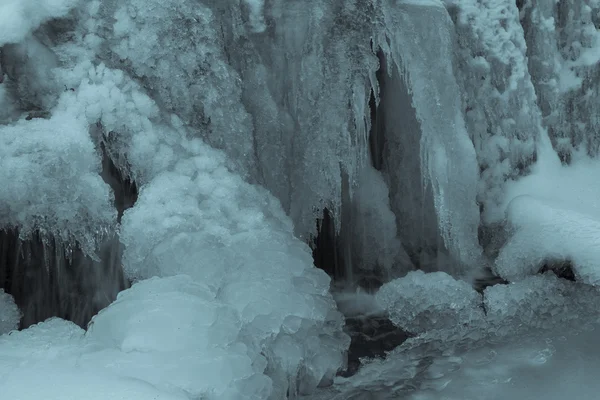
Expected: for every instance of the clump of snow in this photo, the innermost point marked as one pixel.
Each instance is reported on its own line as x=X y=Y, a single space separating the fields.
x=51 y=182
x=421 y=302
x=9 y=313
x=18 y=18
x=553 y=215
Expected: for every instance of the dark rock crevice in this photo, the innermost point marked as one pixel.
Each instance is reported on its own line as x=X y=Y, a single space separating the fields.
x=124 y=188
x=371 y=337
x=47 y=280
x=327 y=248
x=376 y=137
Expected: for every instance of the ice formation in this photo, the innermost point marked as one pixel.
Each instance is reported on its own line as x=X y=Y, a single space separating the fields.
x=438 y=132
x=53 y=351
x=530 y=329
x=174 y=333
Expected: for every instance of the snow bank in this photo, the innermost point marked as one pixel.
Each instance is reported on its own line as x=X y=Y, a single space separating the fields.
x=9 y=313
x=554 y=215
x=50 y=352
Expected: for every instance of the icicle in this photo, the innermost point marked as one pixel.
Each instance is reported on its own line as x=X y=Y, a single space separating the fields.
x=448 y=163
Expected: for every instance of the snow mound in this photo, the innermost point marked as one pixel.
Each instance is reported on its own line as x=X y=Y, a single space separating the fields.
x=53 y=340
x=174 y=333
x=164 y=338
x=421 y=302
x=50 y=352
x=51 y=181
x=9 y=313
x=554 y=215
x=18 y=18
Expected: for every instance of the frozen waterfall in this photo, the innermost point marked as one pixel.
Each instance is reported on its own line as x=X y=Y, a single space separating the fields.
x=290 y=199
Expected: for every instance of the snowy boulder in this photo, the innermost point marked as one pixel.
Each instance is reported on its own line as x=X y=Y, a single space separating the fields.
x=9 y=313
x=420 y=302
x=539 y=301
